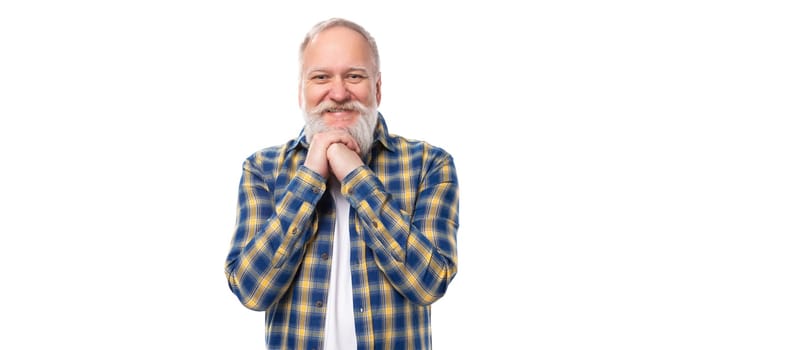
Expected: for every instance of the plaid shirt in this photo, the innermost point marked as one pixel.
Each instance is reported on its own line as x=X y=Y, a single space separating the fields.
x=404 y=218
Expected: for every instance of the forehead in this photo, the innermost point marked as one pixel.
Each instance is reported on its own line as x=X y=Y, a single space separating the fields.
x=336 y=48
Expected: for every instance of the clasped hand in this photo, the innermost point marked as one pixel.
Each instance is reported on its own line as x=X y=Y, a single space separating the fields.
x=333 y=152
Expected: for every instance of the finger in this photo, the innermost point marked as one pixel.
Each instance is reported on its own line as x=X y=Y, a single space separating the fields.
x=323 y=140
x=353 y=145
x=347 y=139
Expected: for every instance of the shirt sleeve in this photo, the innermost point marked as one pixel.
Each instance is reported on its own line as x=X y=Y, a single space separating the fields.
x=416 y=251
x=270 y=235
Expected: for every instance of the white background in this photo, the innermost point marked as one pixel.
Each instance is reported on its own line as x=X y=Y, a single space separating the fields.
x=634 y=174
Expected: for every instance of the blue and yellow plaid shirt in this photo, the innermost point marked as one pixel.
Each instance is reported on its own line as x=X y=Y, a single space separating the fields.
x=404 y=218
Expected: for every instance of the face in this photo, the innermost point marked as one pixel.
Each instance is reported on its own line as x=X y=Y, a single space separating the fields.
x=340 y=88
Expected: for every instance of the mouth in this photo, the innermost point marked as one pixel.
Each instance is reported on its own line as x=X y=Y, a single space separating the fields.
x=338 y=110
x=340 y=114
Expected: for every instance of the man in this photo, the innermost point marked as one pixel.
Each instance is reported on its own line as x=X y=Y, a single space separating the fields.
x=347 y=234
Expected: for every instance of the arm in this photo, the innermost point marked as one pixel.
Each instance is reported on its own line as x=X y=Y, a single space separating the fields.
x=270 y=236
x=417 y=253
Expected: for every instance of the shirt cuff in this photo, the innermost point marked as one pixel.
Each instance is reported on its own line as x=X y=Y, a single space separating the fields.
x=360 y=184
x=308 y=185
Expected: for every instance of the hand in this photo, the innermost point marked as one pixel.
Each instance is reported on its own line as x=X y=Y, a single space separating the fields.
x=317 y=158
x=343 y=159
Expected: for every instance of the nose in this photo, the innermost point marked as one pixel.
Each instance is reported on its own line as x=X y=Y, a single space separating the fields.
x=338 y=91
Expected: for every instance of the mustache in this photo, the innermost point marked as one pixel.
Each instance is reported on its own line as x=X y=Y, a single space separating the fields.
x=346 y=106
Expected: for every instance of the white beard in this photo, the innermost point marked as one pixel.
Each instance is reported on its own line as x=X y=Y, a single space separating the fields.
x=363 y=130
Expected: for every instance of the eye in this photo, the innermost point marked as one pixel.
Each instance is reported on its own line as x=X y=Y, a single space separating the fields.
x=320 y=78
x=355 y=78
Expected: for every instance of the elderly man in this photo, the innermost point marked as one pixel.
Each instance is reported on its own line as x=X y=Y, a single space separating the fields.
x=346 y=234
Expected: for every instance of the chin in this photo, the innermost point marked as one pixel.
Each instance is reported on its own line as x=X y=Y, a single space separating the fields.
x=340 y=123
x=360 y=124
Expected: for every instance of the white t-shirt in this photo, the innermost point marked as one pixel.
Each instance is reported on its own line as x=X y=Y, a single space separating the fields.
x=339 y=328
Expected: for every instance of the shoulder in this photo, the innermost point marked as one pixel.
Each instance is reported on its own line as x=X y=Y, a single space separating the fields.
x=271 y=156
x=433 y=163
x=417 y=147
x=401 y=146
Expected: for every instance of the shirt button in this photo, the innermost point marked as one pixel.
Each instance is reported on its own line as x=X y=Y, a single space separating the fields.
x=294 y=231
x=375 y=224
x=319 y=304
x=324 y=256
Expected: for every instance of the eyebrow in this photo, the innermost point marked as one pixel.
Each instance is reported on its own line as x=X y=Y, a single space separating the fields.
x=355 y=68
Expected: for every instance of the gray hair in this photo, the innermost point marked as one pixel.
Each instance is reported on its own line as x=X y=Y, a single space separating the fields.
x=340 y=22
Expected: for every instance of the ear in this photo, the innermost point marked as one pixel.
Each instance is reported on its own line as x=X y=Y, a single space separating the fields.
x=378 y=89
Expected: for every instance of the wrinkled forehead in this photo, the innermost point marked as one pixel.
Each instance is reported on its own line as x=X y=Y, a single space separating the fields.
x=337 y=48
